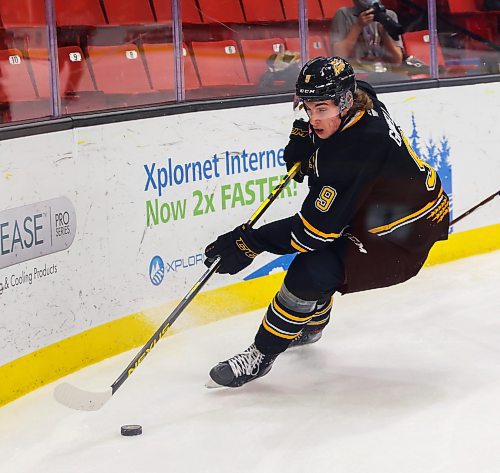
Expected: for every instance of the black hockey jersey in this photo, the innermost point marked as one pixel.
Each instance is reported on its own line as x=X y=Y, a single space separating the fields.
x=365 y=178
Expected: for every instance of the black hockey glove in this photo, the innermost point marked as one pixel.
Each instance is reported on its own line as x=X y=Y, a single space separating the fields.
x=237 y=250
x=300 y=148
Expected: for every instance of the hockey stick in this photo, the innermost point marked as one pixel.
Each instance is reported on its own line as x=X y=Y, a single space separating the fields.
x=80 y=399
x=485 y=201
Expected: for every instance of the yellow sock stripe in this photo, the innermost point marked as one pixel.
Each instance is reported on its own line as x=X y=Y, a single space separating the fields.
x=275 y=332
x=324 y=309
x=320 y=322
x=286 y=320
x=285 y=314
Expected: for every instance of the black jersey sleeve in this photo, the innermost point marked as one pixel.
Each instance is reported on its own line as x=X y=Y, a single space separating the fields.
x=274 y=237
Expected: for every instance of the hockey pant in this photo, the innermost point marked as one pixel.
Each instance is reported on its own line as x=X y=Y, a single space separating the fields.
x=345 y=266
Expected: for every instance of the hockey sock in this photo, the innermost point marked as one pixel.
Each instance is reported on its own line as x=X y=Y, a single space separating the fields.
x=284 y=320
x=322 y=315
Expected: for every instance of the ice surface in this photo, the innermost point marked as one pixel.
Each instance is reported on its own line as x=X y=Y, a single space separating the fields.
x=406 y=380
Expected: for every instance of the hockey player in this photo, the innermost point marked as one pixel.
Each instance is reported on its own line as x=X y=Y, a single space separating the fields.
x=373 y=212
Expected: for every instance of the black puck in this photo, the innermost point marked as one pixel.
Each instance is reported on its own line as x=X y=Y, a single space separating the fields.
x=131 y=430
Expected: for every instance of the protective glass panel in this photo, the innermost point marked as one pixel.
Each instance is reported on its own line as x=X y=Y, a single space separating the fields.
x=239 y=48
x=372 y=35
x=469 y=40
x=24 y=63
x=114 y=54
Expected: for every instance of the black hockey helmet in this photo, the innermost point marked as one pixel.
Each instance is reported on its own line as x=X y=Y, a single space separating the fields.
x=327 y=78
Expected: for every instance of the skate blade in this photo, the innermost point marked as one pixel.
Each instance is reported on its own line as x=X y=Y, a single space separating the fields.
x=211 y=384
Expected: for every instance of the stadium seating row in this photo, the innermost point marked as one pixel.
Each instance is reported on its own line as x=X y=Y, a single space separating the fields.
x=129 y=69
x=17 y=13
x=101 y=77
x=132 y=69
x=125 y=73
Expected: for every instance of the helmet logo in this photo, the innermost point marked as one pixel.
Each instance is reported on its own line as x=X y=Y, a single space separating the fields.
x=307 y=78
x=338 y=66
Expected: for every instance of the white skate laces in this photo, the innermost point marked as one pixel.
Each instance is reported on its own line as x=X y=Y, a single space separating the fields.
x=247 y=363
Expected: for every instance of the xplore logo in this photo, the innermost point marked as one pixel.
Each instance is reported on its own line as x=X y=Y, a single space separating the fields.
x=34 y=230
x=156 y=270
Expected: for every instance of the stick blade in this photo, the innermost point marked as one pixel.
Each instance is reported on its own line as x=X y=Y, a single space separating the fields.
x=76 y=398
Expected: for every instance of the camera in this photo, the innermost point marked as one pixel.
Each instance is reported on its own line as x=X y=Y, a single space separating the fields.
x=393 y=28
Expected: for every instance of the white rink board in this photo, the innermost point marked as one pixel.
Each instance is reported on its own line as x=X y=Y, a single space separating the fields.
x=104 y=274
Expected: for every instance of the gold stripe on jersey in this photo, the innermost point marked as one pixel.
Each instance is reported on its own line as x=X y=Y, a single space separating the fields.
x=275 y=332
x=317 y=232
x=299 y=245
x=382 y=230
x=440 y=212
x=357 y=117
x=289 y=316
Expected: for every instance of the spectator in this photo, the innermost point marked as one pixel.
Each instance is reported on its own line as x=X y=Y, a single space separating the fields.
x=358 y=35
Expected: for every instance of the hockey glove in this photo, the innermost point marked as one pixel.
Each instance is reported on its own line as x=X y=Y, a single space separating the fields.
x=300 y=148
x=237 y=250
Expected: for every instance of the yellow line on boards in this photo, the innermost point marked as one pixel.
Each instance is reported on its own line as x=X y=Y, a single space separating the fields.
x=463 y=244
x=71 y=354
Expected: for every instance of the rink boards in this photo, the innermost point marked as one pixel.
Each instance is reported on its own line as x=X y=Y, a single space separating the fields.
x=102 y=229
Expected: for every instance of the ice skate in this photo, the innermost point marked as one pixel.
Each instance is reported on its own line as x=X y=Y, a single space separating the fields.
x=307 y=336
x=241 y=368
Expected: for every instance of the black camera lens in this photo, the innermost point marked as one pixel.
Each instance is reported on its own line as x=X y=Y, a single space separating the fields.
x=393 y=28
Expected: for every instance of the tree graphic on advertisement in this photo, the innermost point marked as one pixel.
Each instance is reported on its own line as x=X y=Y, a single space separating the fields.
x=437 y=156
x=415 y=137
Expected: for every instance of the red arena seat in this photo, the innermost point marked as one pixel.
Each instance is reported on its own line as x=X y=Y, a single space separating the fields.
x=39 y=63
x=18 y=98
x=313 y=9
x=128 y=12
x=15 y=81
x=262 y=10
x=79 y=12
x=74 y=74
x=317 y=46
x=189 y=10
x=221 y=11
x=256 y=53
x=219 y=63
x=462 y=6
x=118 y=69
x=417 y=44
x=331 y=6
x=160 y=61
x=19 y=13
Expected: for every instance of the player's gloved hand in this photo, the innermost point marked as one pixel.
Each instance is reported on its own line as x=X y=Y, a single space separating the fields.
x=237 y=250
x=300 y=148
